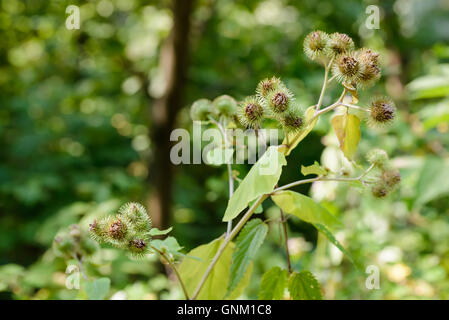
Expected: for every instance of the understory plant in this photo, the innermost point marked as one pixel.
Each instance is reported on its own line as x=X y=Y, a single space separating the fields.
x=222 y=268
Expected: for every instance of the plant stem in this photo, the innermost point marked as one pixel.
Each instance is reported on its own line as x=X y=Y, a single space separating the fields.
x=299 y=182
x=230 y=177
x=323 y=89
x=226 y=241
x=231 y=192
x=284 y=226
x=352 y=106
x=332 y=106
x=172 y=265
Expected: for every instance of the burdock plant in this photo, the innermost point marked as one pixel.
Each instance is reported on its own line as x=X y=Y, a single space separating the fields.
x=222 y=268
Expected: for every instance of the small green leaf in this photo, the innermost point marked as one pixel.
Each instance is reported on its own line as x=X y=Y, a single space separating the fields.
x=98 y=289
x=215 y=287
x=347 y=129
x=157 y=232
x=336 y=243
x=169 y=244
x=304 y=286
x=273 y=284
x=304 y=208
x=248 y=242
x=314 y=169
x=261 y=179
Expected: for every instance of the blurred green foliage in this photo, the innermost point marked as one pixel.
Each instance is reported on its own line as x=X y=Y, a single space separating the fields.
x=74 y=136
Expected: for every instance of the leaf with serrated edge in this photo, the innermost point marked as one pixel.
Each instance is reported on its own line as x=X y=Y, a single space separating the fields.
x=248 y=242
x=304 y=208
x=273 y=284
x=261 y=179
x=336 y=243
x=304 y=286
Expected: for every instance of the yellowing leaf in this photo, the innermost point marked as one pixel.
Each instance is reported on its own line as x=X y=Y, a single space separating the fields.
x=347 y=129
x=353 y=92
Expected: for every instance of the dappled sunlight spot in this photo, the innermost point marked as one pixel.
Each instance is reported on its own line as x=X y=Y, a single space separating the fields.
x=274 y=12
x=298 y=245
x=423 y=289
x=72 y=147
x=378 y=224
x=122 y=125
x=87 y=106
x=184 y=215
x=125 y=5
x=389 y=255
x=141 y=47
x=398 y=272
x=140 y=143
x=99 y=30
x=131 y=85
x=138 y=169
x=105 y=8
x=29 y=52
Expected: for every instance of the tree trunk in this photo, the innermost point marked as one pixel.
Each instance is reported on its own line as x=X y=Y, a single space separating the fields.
x=173 y=61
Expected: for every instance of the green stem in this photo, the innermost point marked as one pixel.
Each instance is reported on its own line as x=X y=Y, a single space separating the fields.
x=284 y=227
x=323 y=89
x=175 y=270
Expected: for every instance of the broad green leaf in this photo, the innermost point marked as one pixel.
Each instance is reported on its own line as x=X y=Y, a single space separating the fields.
x=215 y=287
x=433 y=181
x=430 y=86
x=304 y=286
x=157 y=232
x=336 y=243
x=347 y=129
x=273 y=284
x=315 y=168
x=219 y=156
x=304 y=208
x=248 y=242
x=261 y=179
x=297 y=137
x=98 y=289
x=169 y=244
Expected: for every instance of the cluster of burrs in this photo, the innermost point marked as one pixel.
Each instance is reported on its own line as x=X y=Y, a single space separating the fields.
x=73 y=243
x=354 y=68
x=129 y=229
x=387 y=176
